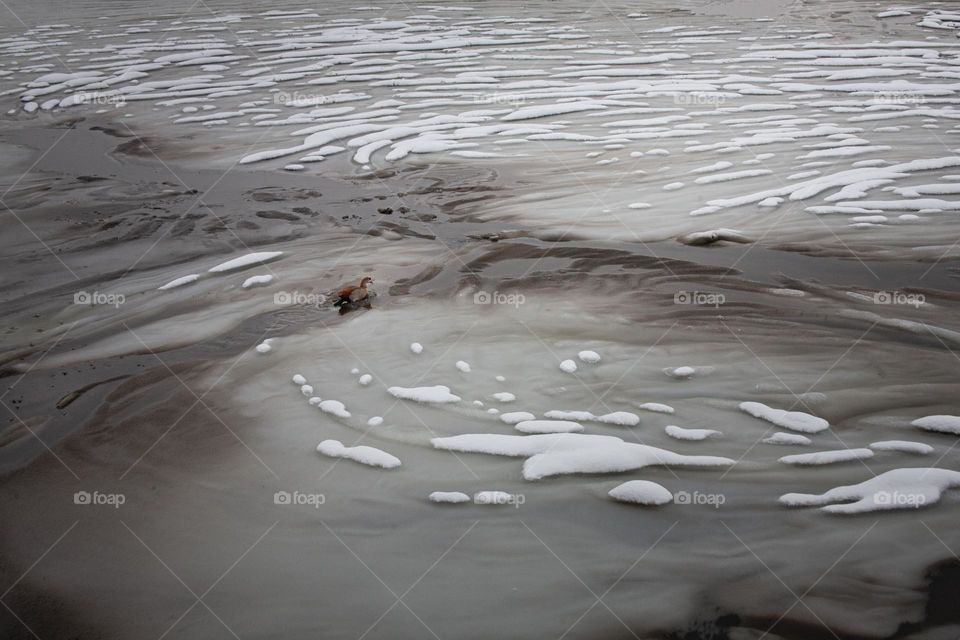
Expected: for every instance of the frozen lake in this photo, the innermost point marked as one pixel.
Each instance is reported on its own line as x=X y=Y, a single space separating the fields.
x=662 y=341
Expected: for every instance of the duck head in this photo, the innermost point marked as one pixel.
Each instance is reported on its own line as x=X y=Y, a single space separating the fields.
x=366 y=280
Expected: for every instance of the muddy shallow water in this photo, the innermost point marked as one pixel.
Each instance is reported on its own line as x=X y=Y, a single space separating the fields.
x=150 y=450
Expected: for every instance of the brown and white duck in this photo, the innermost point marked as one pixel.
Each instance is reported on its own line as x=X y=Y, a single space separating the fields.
x=353 y=293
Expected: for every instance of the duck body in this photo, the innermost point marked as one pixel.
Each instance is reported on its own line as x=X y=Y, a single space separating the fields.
x=353 y=293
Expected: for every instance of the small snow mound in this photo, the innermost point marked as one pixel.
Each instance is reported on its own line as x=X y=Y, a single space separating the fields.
x=306 y=390
x=552 y=454
x=255 y=281
x=680 y=373
x=568 y=366
x=590 y=357
x=365 y=379
x=334 y=407
x=500 y=379
x=656 y=407
x=793 y=420
x=548 y=426
x=939 y=424
x=375 y=421
x=504 y=396
x=622 y=418
x=556 y=414
x=514 y=417
x=463 y=366
x=245 y=261
x=641 y=492
x=449 y=497
x=299 y=380
x=904 y=446
x=315 y=401
x=896 y=489
x=266 y=346
x=179 y=282
x=354 y=371
x=787 y=438
x=370 y=456
x=827 y=457
x=680 y=433
x=416 y=347
x=437 y=394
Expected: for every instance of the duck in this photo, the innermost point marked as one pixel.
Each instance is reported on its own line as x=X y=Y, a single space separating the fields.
x=353 y=293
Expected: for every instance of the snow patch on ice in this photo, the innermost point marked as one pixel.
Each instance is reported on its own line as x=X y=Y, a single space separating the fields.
x=904 y=446
x=681 y=433
x=437 y=394
x=787 y=438
x=827 y=457
x=939 y=424
x=449 y=497
x=897 y=489
x=179 y=282
x=641 y=492
x=370 y=456
x=245 y=261
x=548 y=426
x=793 y=420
